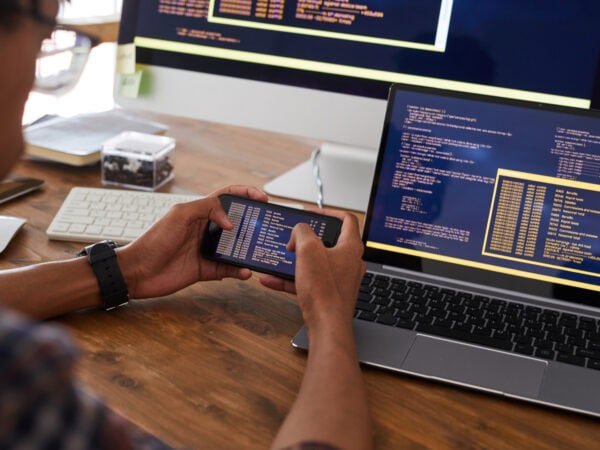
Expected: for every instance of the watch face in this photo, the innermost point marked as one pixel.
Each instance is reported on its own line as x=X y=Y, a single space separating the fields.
x=87 y=249
x=108 y=242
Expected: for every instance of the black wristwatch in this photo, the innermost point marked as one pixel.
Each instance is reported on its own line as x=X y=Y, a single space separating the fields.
x=103 y=259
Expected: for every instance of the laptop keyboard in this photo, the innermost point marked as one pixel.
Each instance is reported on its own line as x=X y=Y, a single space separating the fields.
x=491 y=322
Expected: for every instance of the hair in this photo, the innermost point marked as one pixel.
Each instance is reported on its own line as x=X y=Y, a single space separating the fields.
x=11 y=9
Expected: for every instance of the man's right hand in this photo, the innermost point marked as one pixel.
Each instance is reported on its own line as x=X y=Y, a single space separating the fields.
x=327 y=279
x=331 y=407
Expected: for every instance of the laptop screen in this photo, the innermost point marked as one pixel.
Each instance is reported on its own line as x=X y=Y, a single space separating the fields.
x=488 y=190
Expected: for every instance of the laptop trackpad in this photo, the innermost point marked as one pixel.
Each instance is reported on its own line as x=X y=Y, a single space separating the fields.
x=475 y=366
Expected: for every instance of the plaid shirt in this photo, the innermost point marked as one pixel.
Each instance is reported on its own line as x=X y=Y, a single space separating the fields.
x=41 y=406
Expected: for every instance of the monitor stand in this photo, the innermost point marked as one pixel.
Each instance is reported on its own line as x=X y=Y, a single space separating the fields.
x=346 y=174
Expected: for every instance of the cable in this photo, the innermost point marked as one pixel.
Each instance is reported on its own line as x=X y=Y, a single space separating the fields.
x=317 y=174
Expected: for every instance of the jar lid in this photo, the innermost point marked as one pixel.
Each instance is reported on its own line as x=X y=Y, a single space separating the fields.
x=139 y=143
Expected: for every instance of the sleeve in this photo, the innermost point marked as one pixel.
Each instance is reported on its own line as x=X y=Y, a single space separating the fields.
x=311 y=446
x=41 y=406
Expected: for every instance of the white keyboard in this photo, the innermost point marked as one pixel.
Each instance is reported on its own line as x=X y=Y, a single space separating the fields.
x=94 y=214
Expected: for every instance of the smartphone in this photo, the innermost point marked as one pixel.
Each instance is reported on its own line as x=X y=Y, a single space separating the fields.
x=260 y=234
x=17 y=186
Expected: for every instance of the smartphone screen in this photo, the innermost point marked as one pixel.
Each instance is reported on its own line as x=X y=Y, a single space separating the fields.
x=260 y=234
x=17 y=186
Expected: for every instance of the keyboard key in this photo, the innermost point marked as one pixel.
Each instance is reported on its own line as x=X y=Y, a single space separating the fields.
x=61 y=226
x=366 y=315
x=387 y=319
x=543 y=344
x=464 y=327
x=443 y=323
x=502 y=335
x=93 y=229
x=565 y=348
x=524 y=349
x=593 y=346
x=381 y=301
x=588 y=353
x=77 y=228
x=593 y=364
x=364 y=296
x=404 y=315
x=113 y=231
x=86 y=220
x=545 y=353
x=405 y=323
x=364 y=306
x=570 y=359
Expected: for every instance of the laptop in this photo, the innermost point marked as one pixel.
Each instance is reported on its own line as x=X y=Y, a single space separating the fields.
x=482 y=244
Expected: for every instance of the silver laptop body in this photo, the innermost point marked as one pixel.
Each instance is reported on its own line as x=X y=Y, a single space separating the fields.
x=483 y=249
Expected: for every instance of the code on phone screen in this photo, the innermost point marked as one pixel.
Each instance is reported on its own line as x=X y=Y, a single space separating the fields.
x=260 y=235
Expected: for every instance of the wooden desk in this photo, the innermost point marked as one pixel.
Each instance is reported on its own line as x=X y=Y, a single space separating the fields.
x=212 y=367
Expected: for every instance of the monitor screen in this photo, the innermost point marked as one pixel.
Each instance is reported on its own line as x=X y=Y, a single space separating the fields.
x=322 y=68
x=361 y=47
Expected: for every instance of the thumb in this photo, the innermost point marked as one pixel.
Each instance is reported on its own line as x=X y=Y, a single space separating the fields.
x=216 y=213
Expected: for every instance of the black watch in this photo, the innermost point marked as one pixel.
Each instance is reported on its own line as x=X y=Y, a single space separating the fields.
x=103 y=259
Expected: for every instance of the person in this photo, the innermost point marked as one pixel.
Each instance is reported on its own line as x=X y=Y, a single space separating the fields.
x=41 y=406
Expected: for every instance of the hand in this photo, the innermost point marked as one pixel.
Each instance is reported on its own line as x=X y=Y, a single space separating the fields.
x=167 y=257
x=327 y=279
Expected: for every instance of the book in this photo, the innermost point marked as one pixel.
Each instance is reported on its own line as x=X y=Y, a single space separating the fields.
x=78 y=140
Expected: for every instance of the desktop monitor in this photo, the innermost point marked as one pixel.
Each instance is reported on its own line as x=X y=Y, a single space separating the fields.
x=322 y=68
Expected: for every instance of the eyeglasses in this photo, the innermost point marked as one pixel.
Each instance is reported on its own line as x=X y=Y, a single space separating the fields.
x=61 y=59
x=62 y=56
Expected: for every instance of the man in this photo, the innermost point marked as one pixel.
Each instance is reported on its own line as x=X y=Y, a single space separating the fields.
x=41 y=405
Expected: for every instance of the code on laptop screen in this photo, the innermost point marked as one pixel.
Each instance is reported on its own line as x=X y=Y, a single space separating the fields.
x=491 y=185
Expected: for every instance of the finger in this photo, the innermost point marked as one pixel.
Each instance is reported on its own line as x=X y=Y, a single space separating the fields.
x=300 y=233
x=229 y=271
x=277 y=284
x=204 y=208
x=217 y=214
x=329 y=212
x=240 y=273
x=243 y=191
x=350 y=230
x=350 y=226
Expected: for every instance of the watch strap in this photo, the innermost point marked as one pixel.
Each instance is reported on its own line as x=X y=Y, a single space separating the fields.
x=103 y=259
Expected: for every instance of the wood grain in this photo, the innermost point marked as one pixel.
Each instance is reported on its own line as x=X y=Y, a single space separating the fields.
x=212 y=366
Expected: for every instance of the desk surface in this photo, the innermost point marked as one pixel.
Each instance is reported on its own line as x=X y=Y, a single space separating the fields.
x=212 y=367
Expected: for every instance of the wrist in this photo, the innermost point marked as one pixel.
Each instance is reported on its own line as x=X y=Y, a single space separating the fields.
x=102 y=258
x=334 y=337
x=329 y=325
x=128 y=267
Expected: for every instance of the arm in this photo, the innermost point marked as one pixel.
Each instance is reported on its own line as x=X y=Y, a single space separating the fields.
x=163 y=260
x=331 y=406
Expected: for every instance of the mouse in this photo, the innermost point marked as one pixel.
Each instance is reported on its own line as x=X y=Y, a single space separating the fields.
x=8 y=229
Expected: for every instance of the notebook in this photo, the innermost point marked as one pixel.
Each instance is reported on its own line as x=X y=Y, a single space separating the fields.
x=482 y=247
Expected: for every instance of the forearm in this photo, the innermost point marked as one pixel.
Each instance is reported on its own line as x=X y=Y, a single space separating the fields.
x=331 y=406
x=50 y=289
